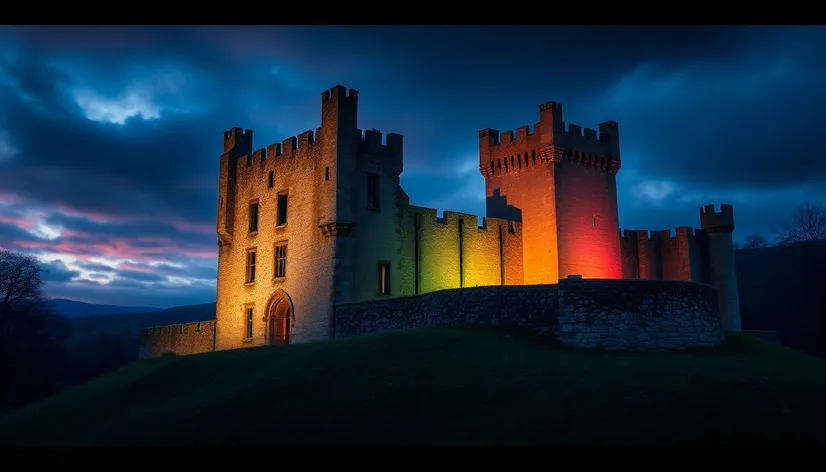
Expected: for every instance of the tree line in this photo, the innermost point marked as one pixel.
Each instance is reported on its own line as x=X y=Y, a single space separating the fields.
x=808 y=224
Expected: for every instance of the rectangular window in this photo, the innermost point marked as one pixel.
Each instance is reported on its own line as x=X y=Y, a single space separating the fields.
x=271 y=179
x=280 y=259
x=248 y=324
x=251 y=266
x=373 y=191
x=384 y=278
x=281 y=216
x=253 y=217
x=327 y=173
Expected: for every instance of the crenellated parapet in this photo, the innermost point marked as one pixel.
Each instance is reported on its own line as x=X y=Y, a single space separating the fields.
x=550 y=142
x=388 y=149
x=469 y=222
x=661 y=255
x=717 y=221
x=180 y=339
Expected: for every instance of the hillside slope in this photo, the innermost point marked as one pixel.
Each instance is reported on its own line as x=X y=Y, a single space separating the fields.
x=441 y=387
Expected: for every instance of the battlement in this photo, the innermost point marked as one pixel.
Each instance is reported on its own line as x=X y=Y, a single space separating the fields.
x=285 y=148
x=238 y=139
x=550 y=106
x=589 y=141
x=553 y=141
x=522 y=133
x=339 y=91
x=489 y=134
x=659 y=254
x=470 y=221
x=680 y=232
x=180 y=339
x=722 y=221
x=373 y=139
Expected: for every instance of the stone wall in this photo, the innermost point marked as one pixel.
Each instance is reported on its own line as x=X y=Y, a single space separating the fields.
x=454 y=251
x=638 y=314
x=526 y=306
x=181 y=339
x=591 y=313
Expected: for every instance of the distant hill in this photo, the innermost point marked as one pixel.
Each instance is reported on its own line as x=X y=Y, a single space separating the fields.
x=132 y=322
x=73 y=309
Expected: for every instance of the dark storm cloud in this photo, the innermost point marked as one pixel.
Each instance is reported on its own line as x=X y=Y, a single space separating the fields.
x=746 y=120
x=140 y=276
x=56 y=271
x=707 y=115
x=12 y=230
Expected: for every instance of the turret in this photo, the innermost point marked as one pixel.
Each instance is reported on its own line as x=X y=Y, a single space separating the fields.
x=721 y=271
x=340 y=137
x=237 y=143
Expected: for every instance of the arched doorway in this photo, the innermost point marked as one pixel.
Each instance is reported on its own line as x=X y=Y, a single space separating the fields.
x=279 y=319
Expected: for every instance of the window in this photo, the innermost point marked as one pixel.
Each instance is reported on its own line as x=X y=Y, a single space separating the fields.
x=384 y=278
x=281 y=216
x=271 y=179
x=280 y=259
x=253 y=217
x=248 y=323
x=251 y=266
x=327 y=173
x=373 y=191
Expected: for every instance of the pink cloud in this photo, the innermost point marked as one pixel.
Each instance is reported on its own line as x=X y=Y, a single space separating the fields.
x=9 y=197
x=183 y=225
x=177 y=222
x=21 y=222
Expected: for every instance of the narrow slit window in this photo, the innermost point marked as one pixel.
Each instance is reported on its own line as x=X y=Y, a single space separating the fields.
x=384 y=278
x=250 y=315
x=251 y=266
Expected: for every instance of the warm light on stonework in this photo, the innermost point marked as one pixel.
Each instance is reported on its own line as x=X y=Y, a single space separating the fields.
x=320 y=219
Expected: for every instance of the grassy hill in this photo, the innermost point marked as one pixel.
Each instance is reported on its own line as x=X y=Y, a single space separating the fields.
x=460 y=386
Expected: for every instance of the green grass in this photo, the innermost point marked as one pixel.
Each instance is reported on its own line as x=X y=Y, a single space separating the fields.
x=447 y=387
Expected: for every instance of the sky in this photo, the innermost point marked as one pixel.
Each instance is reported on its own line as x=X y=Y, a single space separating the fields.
x=110 y=137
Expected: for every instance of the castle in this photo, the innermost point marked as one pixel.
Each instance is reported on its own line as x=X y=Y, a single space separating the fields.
x=320 y=220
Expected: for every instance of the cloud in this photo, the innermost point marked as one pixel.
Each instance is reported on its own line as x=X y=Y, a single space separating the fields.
x=110 y=137
x=7 y=148
x=744 y=121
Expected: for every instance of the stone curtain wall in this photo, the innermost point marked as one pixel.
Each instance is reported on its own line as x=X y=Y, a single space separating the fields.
x=638 y=314
x=526 y=306
x=612 y=314
x=180 y=339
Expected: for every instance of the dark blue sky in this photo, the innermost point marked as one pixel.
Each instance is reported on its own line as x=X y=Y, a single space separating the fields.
x=110 y=137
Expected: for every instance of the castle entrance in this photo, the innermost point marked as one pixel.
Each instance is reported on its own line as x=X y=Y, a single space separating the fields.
x=279 y=319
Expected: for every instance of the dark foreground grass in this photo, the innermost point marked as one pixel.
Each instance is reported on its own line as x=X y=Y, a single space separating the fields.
x=451 y=387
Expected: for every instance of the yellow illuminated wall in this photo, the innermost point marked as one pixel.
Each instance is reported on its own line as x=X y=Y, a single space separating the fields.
x=455 y=251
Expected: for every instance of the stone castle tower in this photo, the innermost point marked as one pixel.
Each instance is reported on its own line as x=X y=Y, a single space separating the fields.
x=321 y=219
x=562 y=185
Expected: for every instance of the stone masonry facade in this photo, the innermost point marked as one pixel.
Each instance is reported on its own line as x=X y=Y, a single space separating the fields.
x=634 y=315
x=638 y=314
x=320 y=220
